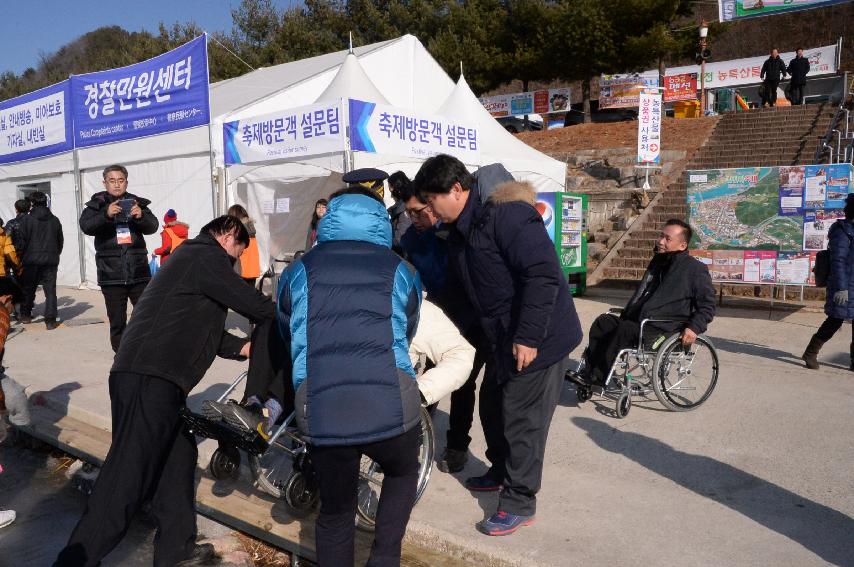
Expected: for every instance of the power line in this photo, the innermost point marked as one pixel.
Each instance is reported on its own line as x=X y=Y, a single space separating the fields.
x=230 y=51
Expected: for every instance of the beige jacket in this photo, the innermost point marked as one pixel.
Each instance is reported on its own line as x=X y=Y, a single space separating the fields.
x=438 y=340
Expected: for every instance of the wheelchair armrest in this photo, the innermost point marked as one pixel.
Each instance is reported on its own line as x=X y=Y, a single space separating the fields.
x=645 y=321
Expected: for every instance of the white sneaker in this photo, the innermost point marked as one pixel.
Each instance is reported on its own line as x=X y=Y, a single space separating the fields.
x=6 y=517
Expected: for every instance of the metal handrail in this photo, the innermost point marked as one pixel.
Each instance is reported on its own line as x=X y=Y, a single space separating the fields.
x=824 y=141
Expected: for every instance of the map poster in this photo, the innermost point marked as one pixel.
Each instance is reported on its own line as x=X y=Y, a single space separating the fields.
x=727 y=266
x=792 y=190
x=793 y=268
x=817 y=224
x=739 y=209
x=837 y=185
x=815 y=192
x=704 y=256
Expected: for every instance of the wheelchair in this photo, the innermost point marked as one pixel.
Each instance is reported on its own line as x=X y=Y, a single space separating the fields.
x=281 y=465
x=682 y=378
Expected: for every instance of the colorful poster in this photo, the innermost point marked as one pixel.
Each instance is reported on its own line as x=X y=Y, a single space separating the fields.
x=623 y=91
x=380 y=128
x=760 y=266
x=545 y=205
x=649 y=127
x=817 y=224
x=815 y=186
x=704 y=256
x=296 y=132
x=746 y=71
x=36 y=124
x=544 y=101
x=727 y=266
x=792 y=190
x=793 y=268
x=166 y=93
x=731 y=10
x=680 y=87
x=838 y=181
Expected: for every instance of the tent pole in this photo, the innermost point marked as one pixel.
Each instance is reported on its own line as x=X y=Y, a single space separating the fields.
x=214 y=175
x=81 y=241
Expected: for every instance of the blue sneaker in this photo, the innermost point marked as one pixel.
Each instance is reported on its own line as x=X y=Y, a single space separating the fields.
x=503 y=523
x=485 y=483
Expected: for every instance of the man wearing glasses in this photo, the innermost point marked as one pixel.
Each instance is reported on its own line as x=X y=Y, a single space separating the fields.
x=118 y=220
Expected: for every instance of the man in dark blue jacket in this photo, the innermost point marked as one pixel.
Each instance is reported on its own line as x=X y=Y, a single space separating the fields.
x=509 y=270
x=348 y=310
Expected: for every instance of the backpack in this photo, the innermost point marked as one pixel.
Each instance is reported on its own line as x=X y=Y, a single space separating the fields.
x=822 y=268
x=175 y=239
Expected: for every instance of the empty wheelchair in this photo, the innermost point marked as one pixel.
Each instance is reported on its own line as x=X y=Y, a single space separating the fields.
x=682 y=378
x=281 y=465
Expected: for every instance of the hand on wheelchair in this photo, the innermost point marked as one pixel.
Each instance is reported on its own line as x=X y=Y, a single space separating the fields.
x=688 y=337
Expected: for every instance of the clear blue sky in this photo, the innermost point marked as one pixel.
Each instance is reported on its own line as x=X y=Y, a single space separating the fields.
x=31 y=27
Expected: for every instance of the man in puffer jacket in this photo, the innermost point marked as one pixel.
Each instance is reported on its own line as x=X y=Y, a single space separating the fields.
x=120 y=253
x=41 y=245
x=508 y=267
x=349 y=309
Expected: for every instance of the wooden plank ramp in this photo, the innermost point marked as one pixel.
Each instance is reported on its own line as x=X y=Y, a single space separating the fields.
x=237 y=504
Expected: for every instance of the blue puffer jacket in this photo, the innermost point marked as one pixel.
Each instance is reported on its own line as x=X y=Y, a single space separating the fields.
x=841 y=248
x=349 y=309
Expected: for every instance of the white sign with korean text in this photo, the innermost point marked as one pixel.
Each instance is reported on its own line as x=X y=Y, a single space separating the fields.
x=649 y=127
x=34 y=124
x=306 y=130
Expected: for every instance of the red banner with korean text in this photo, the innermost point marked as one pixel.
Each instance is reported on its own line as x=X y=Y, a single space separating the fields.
x=680 y=87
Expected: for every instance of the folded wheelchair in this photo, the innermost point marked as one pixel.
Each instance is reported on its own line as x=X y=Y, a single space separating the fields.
x=682 y=378
x=281 y=465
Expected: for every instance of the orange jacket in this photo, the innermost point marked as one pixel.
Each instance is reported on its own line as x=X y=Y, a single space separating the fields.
x=250 y=261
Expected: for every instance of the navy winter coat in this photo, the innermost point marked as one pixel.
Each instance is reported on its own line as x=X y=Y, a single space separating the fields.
x=841 y=248
x=348 y=309
x=509 y=269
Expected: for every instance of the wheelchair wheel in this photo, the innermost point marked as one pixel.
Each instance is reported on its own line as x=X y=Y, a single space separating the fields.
x=624 y=405
x=371 y=477
x=299 y=494
x=682 y=380
x=273 y=469
x=225 y=463
x=583 y=393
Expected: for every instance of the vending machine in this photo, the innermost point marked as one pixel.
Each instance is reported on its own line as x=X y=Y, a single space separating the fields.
x=565 y=217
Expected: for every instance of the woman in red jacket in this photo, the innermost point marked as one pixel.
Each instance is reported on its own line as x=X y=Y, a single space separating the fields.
x=174 y=233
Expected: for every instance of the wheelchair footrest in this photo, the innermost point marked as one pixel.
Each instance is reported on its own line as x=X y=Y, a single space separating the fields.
x=250 y=441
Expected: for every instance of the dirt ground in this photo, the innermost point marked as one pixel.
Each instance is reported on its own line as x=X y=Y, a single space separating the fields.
x=676 y=134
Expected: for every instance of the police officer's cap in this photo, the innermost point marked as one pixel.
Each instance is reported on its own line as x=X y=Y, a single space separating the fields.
x=368 y=177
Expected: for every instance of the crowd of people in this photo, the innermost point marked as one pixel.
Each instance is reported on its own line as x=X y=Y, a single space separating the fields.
x=388 y=310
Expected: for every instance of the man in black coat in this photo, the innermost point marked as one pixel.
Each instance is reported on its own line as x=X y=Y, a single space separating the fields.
x=40 y=238
x=176 y=330
x=674 y=286
x=772 y=71
x=798 y=69
x=508 y=268
x=118 y=220
x=13 y=227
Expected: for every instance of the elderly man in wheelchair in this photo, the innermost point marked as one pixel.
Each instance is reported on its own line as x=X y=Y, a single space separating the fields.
x=654 y=343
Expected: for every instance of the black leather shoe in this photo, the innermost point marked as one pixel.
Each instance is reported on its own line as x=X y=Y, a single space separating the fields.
x=203 y=554
x=51 y=324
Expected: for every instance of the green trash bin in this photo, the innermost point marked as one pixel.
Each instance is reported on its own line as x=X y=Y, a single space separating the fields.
x=724 y=100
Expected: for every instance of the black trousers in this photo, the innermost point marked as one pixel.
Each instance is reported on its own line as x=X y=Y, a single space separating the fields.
x=608 y=335
x=337 y=470
x=516 y=413
x=32 y=277
x=269 y=367
x=829 y=328
x=116 y=299
x=797 y=93
x=151 y=454
x=770 y=95
x=461 y=416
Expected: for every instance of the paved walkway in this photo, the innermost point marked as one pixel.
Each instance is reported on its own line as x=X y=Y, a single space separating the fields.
x=761 y=474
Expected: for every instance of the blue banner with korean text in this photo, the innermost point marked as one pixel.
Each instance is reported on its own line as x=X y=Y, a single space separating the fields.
x=168 y=92
x=36 y=124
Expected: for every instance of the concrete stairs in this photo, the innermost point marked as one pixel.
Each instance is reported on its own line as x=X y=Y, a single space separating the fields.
x=767 y=137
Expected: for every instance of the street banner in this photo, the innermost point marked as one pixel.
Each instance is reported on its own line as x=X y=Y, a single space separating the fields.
x=166 y=93
x=680 y=87
x=384 y=129
x=545 y=101
x=623 y=91
x=296 y=132
x=36 y=124
x=649 y=128
x=746 y=71
x=731 y=10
